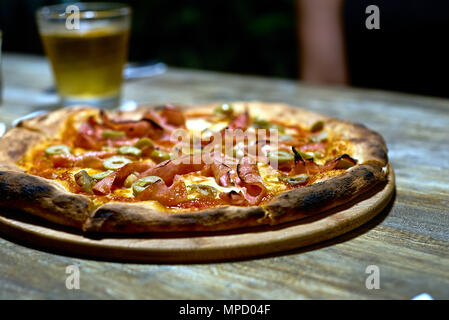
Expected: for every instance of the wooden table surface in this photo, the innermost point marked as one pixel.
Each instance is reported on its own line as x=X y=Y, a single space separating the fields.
x=408 y=241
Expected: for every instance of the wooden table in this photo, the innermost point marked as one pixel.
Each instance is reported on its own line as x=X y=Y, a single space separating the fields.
x=408 y=241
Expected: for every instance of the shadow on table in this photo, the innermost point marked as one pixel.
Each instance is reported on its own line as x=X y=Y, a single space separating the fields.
x=25 y=239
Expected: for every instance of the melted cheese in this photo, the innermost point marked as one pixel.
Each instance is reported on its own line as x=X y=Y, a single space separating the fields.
x=197 y=125
x=194 y=178
x=270 y=178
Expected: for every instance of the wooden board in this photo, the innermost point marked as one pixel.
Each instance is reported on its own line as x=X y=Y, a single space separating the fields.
x=196 y=247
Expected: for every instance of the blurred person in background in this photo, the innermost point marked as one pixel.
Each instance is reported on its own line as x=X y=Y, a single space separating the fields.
x=408 y=52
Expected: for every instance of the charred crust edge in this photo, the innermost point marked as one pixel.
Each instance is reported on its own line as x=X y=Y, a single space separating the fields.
x=40 y=197
x=321 y=196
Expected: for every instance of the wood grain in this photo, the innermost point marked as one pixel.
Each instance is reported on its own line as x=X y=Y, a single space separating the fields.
x=408 y=240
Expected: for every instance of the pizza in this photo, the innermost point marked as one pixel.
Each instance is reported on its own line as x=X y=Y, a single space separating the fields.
x=186 y=168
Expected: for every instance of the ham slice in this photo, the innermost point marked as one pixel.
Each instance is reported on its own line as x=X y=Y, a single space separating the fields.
x=145 y=127
x=167 y=196
x=233 y=198
x=242 y=121
x=90 y=159
x=173 y=116
x=104 y=186
x=88 y=137
x=168 y=169
x=223 y=173
x=250 y=181
x=307 y=166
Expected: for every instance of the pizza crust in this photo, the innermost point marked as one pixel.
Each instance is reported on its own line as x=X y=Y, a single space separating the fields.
x=132 y=218
x=44 y=198
x=49 y=200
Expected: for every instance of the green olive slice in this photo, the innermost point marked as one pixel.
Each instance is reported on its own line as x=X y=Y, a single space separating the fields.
x=304 y=155
x=225 y=109
x=318 y=155
x=115 y=162
x=101 y=175
x=294 y=180
x=285 y=137
x=113 y=134
x=259 y=123
x=85 y=181
x=58 y=149
x=317 y=126
x=133 y=177
x=143 y=183
x=144 y=143
x=203 y=190
x=160 y=155
x=128 y=150
x=277 y=127
x=280 y=156
x=322 y=136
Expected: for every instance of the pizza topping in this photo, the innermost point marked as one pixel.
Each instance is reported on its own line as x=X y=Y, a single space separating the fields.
x=320 y=137
x=160 y=155
x=310 y=167
x=167 y=196
x=141 y=184
x=225 y=110
x=202 y=190
x=314 y=147
x=144 y=143
x=92 y=159
x=112 y=134
x=104 y=186
x=101 y=175
x=317 y=126
x=242 y=121
x=285 y=137
x=233 y=197
x=120 y=176
x=280 y=156
x=264 y=124
x=221 y=172
x=128 y=150
x=88 y=137
x=168 y=169
x=134 y=167
x=136 y=157
x=295 y=180
x=85 y=181
x=115 y=162
x=58 y=149
x=304 y=155
x=173 y=116
x=140 y=128
x=133 y=177
x=250 y=181
x=344 y=162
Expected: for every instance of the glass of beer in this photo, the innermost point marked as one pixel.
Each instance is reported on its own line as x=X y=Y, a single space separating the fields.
x=87 y=45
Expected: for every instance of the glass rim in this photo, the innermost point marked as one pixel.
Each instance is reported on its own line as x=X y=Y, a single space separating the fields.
x=87 y=11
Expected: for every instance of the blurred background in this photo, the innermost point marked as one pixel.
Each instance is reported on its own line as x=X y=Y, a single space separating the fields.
x=317 y=41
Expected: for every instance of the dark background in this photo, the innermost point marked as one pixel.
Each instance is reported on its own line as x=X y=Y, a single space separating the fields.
x=409 y=53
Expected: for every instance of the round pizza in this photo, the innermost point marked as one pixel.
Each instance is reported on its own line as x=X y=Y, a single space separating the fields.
x=186 y=168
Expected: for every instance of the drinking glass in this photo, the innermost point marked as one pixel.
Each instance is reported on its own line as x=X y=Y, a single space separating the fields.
x=87 y=45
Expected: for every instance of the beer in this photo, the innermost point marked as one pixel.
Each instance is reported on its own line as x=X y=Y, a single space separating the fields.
x=87 y=64
x=87 y=45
